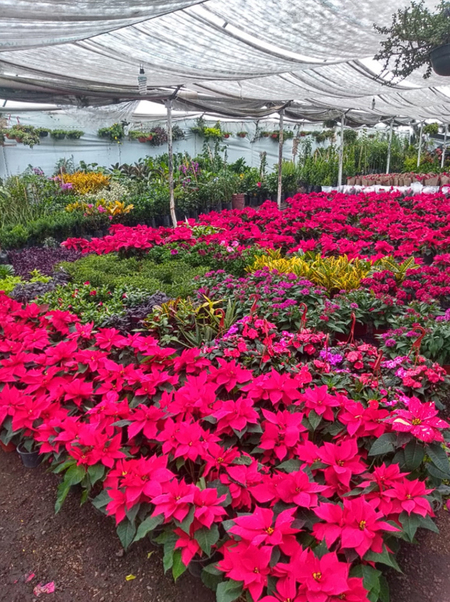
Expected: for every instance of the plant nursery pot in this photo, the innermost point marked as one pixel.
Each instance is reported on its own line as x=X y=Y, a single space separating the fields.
x=43 y=134
x=7 y=448
x=428 y=258
x=341 y=337
x=142 y=139
x=29 y=459
x=238 y=201
x=360 y=329
x=440 y=60
x=380 y=330
x=196 y=565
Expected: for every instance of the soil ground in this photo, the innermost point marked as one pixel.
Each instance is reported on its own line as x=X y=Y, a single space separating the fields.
x=78 y=549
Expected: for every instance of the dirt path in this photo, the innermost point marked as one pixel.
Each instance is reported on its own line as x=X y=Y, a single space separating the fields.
x=78 y=550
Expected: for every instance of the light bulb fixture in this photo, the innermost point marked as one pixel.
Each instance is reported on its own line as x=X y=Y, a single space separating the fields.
x=142 y=81
x=373 y=103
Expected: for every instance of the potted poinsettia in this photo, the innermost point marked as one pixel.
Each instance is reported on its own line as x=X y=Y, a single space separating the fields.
x=417 y=37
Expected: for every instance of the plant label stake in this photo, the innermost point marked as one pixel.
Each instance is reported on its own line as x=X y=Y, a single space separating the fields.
x=303 y=307
x=351 y=337
x=255 y=298
x=415 y=347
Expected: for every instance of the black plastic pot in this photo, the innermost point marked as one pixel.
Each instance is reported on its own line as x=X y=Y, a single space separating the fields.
x=29 y=459
x=196 y=565
x=428 y=258
x=440 y=60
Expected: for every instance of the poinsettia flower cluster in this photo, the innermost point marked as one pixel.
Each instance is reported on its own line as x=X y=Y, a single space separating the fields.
x=359 y=225
x=263 y=474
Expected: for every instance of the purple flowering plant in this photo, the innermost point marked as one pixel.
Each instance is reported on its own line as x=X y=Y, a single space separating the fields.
x=279 y=297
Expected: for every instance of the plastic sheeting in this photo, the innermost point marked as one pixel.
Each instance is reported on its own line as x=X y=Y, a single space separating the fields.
x=14 y=157
x=230 y=52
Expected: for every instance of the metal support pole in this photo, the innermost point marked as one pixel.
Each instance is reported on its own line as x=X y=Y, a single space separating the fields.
x=388 y=166
x=444 y=148
x=420 y=144
x=341 y=151
x=170 y=152
x=280 y=158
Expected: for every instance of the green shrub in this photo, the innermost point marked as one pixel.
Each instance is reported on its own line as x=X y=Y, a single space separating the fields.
x=175 y=278
x=9 y=283
x=59 y=226
x=90 y=303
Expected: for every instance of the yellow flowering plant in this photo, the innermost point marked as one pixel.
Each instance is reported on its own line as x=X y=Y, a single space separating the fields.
x=86 y=182
x=111 y=208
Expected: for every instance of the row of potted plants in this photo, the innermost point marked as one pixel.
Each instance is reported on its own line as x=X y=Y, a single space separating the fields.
x=30 y=135
x=401 y=179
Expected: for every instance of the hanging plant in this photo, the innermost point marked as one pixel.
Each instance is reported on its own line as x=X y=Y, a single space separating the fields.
x=138 y=135
x=417 y=38
x=287 y=135
x=158 y=136
x=58 y=134
x=177 y=133
x=350 y=136
x=74 y=134
x=24 y=134
x=241 y=134
x=114 y=132
x=43 y=132
x=431 y=128
x=265 y=134
x=214 y=133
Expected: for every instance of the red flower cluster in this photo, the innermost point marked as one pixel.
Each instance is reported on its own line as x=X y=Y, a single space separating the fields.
x=364 y=224
x=259 y=468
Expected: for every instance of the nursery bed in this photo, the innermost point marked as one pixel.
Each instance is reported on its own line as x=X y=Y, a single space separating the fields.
x=62 y=548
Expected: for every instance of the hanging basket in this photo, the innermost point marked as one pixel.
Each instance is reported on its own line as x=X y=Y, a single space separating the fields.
x=440 y=60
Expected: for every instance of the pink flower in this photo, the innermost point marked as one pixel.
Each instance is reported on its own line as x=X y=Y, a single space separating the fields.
x=249 y=564
x=409 y=496
x=208 y=507
x=281 y=431
x=319 y=400
x=262 y=527
x=357 y=524
x=175 y=501
x=320 y=578
x=420 y=419
x=343 y=460
x=188 y=545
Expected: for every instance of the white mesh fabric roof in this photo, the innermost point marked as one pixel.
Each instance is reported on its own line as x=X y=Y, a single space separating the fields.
x=236 y=51
x=30 y=23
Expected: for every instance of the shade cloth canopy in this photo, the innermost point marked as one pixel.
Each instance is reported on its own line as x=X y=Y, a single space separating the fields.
x=242 y=58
